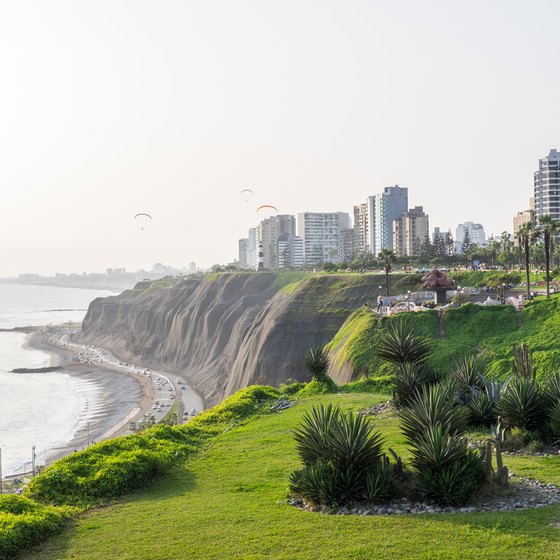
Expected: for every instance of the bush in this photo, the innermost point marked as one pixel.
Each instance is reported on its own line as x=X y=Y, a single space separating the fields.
x=521 y=405
x=436 y=450
x=24 y=523
x=339 y=452
x=453 y=485
x=379 y=485
x=468 y=373
x=555 y=418
x=410 y=380
x=482 y=409
x=434 y=407
x=398 y=344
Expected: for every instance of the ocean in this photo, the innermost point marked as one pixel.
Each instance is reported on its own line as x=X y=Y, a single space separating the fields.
x=47 y=410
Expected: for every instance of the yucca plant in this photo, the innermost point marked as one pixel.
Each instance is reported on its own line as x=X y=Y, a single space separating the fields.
x=353 y=443
x=434 y=407
x=555 y=418
x=379 y=484
x=317 y=483
x=398 y=344
x=482 y=409
x=468 y=373
x=317 y=363
x=453 y=485
x=551 y=389
x=436 y=449
x=410 y=379
x=522 y=405
x=313 y=436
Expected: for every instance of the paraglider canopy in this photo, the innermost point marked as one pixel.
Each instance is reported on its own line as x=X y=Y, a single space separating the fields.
x=263 y=206
x=143 y=217
x=246 y=193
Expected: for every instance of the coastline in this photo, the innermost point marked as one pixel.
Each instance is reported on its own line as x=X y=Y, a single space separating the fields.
x=113 y=420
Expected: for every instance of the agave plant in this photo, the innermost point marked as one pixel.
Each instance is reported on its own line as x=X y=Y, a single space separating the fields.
x=411 y=378
x=379 y=484
x=522 y=405
x=434 y=407
x=551 y=390
x=398 y=344
x=317 y=363
x=482 y=409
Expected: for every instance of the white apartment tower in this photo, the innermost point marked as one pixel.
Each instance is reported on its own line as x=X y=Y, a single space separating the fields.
x=243 y=244
x=321 y=235
x=476 y=235
x=383 y=208
x=547 y=186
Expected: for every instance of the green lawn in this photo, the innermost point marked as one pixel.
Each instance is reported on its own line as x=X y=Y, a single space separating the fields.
x=229 y=502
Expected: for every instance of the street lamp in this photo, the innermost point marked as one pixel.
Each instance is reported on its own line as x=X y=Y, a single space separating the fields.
x=408 y=300
x=504 y=293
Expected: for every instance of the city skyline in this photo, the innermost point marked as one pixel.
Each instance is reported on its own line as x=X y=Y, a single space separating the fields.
x=110 y=109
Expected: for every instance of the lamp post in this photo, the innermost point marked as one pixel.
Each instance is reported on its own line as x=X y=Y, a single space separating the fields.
x=408 y=300
x=504 y=293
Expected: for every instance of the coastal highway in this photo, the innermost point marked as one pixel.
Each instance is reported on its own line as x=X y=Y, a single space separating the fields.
x=167 y=387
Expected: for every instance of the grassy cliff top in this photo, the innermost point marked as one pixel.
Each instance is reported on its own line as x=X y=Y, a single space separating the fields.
x=230 y=502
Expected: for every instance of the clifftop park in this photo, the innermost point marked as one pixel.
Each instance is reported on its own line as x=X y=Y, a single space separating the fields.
x=331 y=431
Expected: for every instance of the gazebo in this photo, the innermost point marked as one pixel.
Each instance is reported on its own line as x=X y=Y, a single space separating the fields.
x=439 y=282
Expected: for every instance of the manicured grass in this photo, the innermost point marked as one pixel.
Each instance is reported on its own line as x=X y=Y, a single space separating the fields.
x=229 y=502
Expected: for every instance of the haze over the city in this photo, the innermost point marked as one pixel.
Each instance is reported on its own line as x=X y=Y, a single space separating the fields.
x=111 y=108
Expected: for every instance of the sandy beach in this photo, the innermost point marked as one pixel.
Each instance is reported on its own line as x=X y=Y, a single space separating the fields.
x=125 y=397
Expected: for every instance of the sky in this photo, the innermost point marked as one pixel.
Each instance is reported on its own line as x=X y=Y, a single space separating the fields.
x=111 y=108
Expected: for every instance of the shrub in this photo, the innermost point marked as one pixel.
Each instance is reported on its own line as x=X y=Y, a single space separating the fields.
x=317 y=363
x=555 y=418
x=339 y=452
x=436 y=449
x=468 y=373
x=434 y=407
x=410 y=379
x=514 y=440
x=398 y=344
x=521 y=405
x=482 y=409
x=379 y=485
x=453 y=485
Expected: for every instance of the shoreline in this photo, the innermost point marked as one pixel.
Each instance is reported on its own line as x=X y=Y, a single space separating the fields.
x=106 y=426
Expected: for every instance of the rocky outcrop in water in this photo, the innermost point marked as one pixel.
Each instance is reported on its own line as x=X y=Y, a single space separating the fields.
x=227 y=331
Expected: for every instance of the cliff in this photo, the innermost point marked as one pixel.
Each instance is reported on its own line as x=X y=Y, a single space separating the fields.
x=227 y=331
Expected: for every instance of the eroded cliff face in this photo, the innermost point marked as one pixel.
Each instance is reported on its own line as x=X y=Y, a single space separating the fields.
x=225 y=332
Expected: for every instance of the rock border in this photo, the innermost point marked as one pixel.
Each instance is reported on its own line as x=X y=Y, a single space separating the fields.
x=528 y=494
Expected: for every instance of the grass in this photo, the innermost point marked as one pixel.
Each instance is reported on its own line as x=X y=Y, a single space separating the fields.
x=469 y=329
x=230 y=502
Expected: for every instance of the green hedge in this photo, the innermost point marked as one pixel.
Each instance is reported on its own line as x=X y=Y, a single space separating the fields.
x=24 y=523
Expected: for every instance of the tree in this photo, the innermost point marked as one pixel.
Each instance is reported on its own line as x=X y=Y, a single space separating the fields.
x=547 y=229
x=387 y=257
x=449 y=245
x=466 y=245
x=525 y=235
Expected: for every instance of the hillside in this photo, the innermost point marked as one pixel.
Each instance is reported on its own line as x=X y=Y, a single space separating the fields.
x=490 y=331
x=229 y=501
x=227 y=331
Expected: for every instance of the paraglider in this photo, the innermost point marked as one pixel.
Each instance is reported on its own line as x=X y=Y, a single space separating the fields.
x=267 y=206
x=246 y=193
x=143 y=218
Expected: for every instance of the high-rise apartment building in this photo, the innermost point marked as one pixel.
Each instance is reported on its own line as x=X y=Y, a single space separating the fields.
x=525 y=217
x=410 y=231
x=268 y=233
x=383 y=208
x=290 y=251
x=547 y=186
x=320 y=232
x=252 y=245
x=243 y=244
x=347 y=245
x=361 y=229
x=476 y=235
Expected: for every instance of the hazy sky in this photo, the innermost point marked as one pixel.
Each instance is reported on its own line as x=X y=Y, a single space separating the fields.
x=109 y=108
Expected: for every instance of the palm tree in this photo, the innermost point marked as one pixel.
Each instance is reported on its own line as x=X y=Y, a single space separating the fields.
x=525 y=235
x=387 y=257
x=547 y=229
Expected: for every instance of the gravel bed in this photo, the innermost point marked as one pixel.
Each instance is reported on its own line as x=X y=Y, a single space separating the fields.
x=527 y=494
